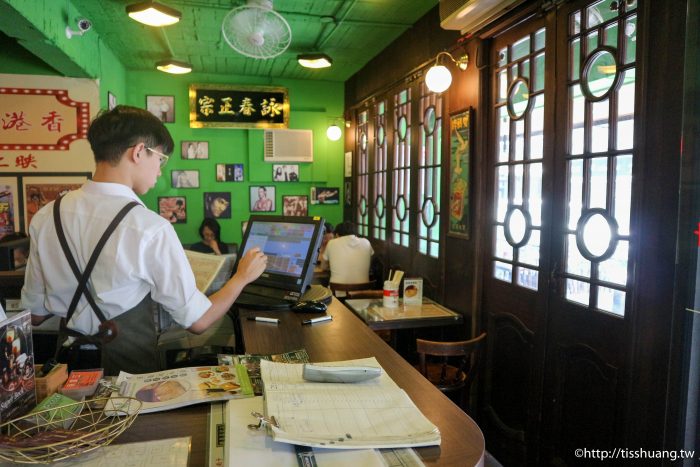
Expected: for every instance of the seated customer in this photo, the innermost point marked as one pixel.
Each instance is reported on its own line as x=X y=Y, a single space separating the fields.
x=348 y=256
x=327 y=236
x=210 y=231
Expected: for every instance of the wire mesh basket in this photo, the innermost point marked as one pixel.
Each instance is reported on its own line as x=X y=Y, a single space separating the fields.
x=67 y=431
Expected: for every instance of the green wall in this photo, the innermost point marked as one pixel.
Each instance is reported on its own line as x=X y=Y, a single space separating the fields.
x=45 y=50
x=311 y=106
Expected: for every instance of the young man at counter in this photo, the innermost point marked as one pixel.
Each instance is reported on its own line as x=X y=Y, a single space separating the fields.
x=141 y=262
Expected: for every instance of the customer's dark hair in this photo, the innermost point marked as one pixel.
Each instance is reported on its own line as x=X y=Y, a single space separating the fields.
x=213 y=226
x=114 y=131
x=328 y=228
x=345 y=228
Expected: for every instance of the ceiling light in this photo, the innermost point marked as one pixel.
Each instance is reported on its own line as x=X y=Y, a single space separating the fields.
x=175 y=67
x=314 y=60
x=153 y=14
x=438 y=78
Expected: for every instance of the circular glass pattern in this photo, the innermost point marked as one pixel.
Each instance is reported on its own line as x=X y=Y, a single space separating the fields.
x=363 y=206
x=401 y=210
x=518 y=98
x=599 y=74
x=363 y=141
x=380 y=135
x=403 y=127
x=379 y=207
x=596 y=235
x=429 y=120
x=428 y=212
x=517 y=226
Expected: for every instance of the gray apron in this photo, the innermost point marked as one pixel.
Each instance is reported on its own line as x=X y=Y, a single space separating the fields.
x=135 y=349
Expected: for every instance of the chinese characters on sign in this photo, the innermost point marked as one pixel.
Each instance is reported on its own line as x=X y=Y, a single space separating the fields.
x=459 y=174
x=238 y=107
x=39 y=120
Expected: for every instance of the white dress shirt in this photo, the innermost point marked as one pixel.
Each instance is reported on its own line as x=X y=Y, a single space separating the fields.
x=143 y=255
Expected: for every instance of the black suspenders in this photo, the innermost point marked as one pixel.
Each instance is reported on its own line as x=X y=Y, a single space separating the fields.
x=85 y=275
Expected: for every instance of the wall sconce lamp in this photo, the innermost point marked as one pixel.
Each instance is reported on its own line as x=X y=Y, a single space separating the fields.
x=439 y=78
x=314 y=60
x=153 y=13
x=175 y=67
x=333 y=132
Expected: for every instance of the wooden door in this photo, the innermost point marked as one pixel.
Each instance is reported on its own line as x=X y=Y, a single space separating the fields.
x=559 y=274
x=592 y=269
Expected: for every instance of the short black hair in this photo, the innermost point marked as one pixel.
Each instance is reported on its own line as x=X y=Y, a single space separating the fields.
x=328 y=228
x=345 y=228
x=213 y=226
x=114 y=131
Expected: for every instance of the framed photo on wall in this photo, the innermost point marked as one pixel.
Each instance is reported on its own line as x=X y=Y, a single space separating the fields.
x=111 y=100
x=460 y=151
x=173 y=208
x=184 y=178
x=162 y=107
x=220 y=172
x=195 y=149
x=325 y=195
x=238 y=173
x=9 y=206
x=295 y=205
x=348 y=194
x=229 y=172
x=262 y=198
x=348 y=164
x=285 y=172
x=39 y=191
x=217 y=205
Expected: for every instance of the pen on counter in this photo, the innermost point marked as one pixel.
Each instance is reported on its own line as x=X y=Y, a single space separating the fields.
x=262 y=319
x=317 y=320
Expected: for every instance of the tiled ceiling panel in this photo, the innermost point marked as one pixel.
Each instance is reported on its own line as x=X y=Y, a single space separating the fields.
x=350 y=31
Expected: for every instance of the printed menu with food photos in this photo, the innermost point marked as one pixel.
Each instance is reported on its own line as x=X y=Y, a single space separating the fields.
x=170 y=389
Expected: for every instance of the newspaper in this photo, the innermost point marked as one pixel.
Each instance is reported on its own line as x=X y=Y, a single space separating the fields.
x=170 y=389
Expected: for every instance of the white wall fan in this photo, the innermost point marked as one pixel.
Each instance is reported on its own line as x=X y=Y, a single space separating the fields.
x=256 y=30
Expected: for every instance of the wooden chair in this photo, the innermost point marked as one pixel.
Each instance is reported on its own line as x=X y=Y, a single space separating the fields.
x=451 y=379
x=360 y=290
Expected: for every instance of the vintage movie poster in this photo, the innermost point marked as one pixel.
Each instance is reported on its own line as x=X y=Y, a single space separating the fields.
x=40 y=191
x=8 y=206
x=459 y=174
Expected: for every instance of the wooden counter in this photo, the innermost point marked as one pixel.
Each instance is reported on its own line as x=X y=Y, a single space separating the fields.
x=345 y=337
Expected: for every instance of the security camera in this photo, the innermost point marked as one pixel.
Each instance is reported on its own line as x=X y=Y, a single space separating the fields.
x=84 y=24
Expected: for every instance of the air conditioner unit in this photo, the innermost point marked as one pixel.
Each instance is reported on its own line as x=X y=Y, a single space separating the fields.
x=289 y=146
x=468 y=16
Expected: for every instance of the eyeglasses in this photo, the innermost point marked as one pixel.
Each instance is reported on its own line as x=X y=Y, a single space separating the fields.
x=163 y=157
